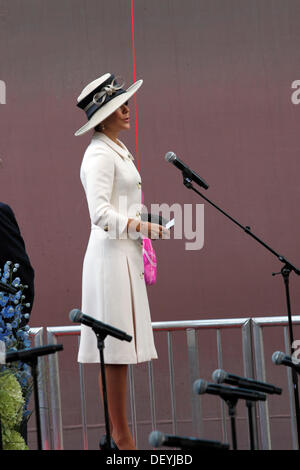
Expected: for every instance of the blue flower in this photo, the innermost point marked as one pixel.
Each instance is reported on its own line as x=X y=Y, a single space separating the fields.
x=11 y=314
x=18 y=308
x=16 y=282
x=15 y=324
x=8 y=312
x=17 y=316
x=18 y=295
x=23 y=382
x=26 y=368
x=20 y=334
x=27 y=413
x=9 y=342
x=3 y=300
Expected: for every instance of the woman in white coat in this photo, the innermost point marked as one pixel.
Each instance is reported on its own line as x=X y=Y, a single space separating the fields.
x=113 y=285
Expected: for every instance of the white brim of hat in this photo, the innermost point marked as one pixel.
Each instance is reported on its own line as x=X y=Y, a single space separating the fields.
x=109 y=108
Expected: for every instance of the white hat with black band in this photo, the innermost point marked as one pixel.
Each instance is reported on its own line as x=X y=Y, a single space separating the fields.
x=102 y=97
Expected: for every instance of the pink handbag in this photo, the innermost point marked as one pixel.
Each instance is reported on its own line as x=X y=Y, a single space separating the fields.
x=150 y=264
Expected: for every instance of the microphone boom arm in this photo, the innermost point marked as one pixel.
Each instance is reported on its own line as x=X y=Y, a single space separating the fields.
x=188 y=183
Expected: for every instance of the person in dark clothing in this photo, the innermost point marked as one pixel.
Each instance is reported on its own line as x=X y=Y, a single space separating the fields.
x=12 y=248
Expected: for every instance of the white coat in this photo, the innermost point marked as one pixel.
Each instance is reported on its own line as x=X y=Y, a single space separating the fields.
x=113 y=284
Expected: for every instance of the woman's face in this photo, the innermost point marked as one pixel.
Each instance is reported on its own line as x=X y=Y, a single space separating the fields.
x=119 y=120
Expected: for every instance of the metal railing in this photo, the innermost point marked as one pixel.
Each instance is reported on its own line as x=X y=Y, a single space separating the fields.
x=37 y=334
x=259 y=325
x=252 y=330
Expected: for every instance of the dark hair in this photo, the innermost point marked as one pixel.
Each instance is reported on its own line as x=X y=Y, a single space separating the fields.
x=98 y=127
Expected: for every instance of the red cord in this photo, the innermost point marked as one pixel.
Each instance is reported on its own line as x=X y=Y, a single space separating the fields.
x=134 y=79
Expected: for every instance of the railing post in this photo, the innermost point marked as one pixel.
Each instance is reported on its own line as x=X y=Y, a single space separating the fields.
x=83 y=405
x=37 y=333
x=193 y=359
x=132 y=405
x=152 y=394
x=291 y=392
x=264 y=418
x=222 y=404
x=249 y=371
x=55 y=395
x=172 y=383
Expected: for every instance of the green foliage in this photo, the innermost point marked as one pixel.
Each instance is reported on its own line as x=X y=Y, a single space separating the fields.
x=11 y=411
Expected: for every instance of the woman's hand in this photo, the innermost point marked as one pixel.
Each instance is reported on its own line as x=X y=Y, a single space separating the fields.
x=153 y=231
x=147 y=229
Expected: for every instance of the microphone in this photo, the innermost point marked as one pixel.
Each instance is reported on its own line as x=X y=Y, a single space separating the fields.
x=201 y=386
x=158 y=439
x=6 y=288
x=220 y=376
x=26 y=355
x=172 y=158
x=77 y=316
x=153 y=218
x=279 y=358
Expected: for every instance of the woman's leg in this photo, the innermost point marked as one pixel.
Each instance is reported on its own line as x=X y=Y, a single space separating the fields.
x=116 y=386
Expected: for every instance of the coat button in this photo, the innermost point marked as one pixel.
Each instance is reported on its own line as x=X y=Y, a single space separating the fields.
x=141 y=275
x=139 y=184
x=106 y=228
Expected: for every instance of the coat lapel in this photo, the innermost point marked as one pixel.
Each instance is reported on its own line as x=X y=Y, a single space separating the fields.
x=122 y=151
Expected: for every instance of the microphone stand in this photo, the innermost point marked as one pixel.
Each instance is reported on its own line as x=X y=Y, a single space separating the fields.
x=33 y=364
x=231 y=403
x=250 y=407
x=101 y=335
x=285 y=272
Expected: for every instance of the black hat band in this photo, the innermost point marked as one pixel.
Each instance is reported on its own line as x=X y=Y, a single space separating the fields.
x=104 y=93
